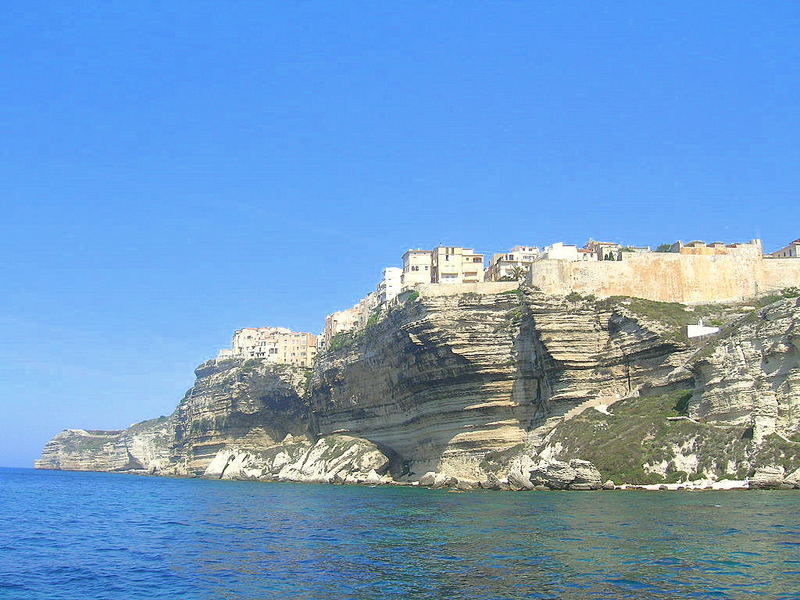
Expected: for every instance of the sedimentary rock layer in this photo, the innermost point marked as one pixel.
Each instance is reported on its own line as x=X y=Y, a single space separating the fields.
x=448 y=379
x=247 y=403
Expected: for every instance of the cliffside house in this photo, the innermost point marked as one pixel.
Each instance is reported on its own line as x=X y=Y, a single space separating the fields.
x=353 y=318
x=454 y=264
x=416 y=268
x=603 y=250
x=505 y=267
x=274 y=344
x=561 y=251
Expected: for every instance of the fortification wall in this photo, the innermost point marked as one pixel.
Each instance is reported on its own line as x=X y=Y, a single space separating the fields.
x=669 y=277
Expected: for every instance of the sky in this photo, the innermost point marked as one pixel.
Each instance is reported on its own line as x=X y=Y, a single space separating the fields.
x=173 y=171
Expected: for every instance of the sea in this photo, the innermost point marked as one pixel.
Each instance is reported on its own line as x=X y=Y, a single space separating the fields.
x=96 y=536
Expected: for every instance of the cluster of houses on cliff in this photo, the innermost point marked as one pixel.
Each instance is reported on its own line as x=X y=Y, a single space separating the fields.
x=447 y=265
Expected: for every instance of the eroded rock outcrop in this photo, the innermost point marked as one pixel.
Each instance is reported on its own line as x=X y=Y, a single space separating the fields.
x=332 y=459
x=249 y=404
x=534 y=473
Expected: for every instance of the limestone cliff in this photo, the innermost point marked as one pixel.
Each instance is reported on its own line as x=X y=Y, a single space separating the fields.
x=247 y=403
x=142 y=447
x=733 y=411
x=513 y=390
x=449 y=379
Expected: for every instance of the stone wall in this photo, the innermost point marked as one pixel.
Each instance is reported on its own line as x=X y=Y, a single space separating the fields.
x=669 y=277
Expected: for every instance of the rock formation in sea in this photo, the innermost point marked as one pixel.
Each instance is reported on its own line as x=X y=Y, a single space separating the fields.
x=510 y=390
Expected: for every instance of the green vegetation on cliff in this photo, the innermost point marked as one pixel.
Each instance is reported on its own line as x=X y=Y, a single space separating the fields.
x=638 y=432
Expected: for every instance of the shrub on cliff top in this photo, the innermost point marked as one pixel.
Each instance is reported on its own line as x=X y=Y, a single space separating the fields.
x=342 y=340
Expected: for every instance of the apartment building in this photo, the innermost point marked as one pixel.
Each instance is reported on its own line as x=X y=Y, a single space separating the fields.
x=506 y=266
x=454 y=264
x=274 y=344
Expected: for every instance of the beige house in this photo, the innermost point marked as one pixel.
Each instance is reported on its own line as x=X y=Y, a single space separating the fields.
x=603 y=250
x=416 y=268
x=274 y=344
x=453 y=264
x=341 y=320
x=505 y=267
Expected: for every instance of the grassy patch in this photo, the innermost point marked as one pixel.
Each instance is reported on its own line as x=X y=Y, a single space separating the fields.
x=509 y=292
x=88 y=444
x=343 y=339
x=374 y=318
x=638 y=433
x=776 y=451
x=790 y=292
x=674 y=316
x=251 y=364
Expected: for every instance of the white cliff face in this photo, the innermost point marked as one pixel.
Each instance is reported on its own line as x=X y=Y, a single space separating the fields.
x=332 y=459
x=752 y=376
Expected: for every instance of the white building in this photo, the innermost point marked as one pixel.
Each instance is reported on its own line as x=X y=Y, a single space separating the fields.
x=561 y=251
x=505 y=267
x=390 y=285
x=699 y=330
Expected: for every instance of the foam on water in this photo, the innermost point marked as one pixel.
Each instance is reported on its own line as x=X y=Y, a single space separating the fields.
x=102 y=536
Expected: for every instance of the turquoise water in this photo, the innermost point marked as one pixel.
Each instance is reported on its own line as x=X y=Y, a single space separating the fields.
x=91 y=536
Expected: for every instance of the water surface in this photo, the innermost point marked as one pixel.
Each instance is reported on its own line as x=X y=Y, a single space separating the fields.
x=95 y=536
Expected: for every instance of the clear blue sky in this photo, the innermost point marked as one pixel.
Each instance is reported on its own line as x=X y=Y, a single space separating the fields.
x=172 y=171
